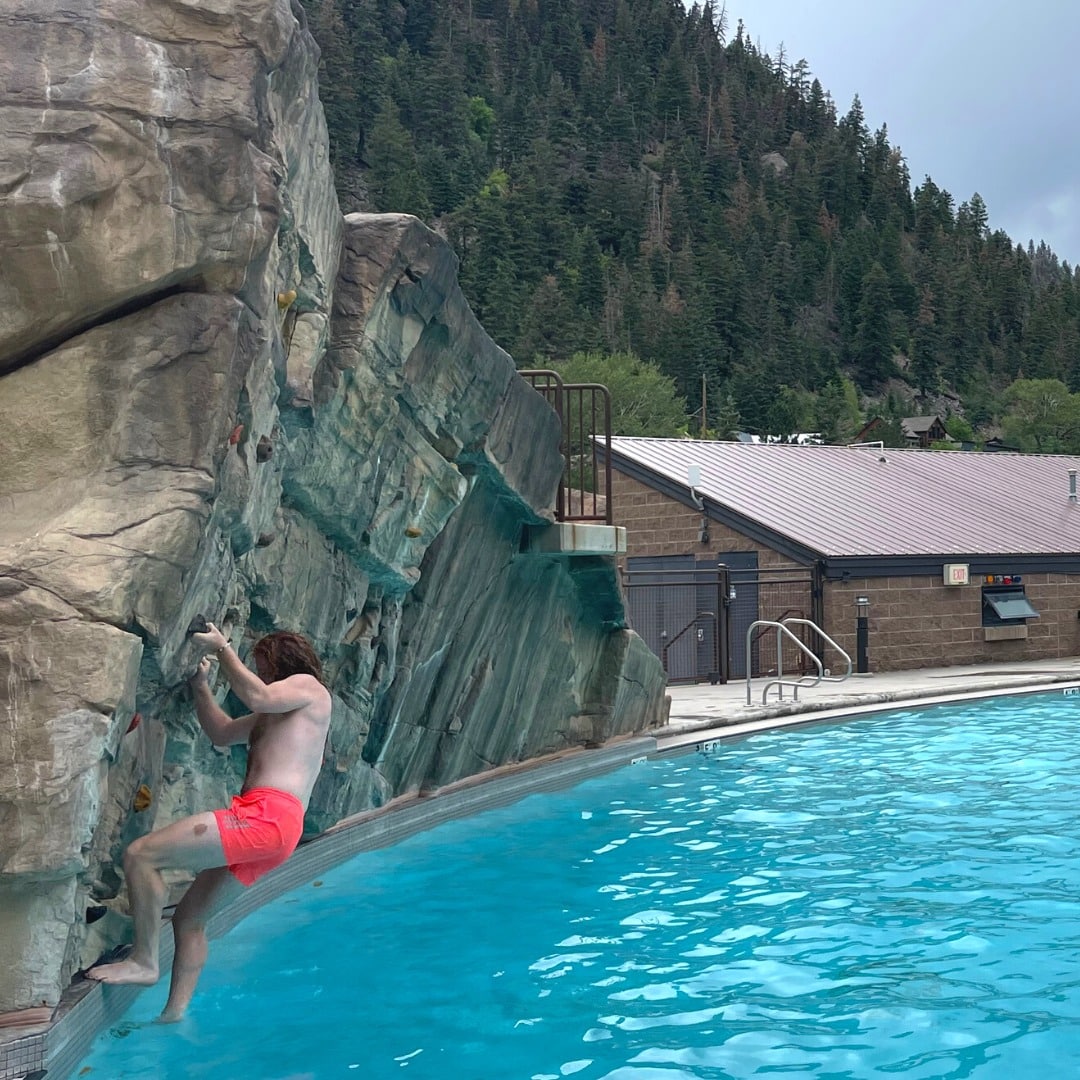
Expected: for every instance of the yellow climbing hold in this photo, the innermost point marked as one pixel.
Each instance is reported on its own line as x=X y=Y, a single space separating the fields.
x=143 y=798
x=413 y=531
x=285 y=300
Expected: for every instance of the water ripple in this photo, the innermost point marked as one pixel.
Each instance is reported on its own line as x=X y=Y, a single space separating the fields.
x=897 y=895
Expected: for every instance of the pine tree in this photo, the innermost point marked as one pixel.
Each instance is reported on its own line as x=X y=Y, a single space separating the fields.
x=394 y=179
x=924 y=361
x=873 y=345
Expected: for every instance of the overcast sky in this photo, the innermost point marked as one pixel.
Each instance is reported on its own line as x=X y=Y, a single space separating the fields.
x=982 y=95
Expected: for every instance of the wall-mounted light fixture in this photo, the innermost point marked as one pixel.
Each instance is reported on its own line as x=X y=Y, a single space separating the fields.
x=862 y=634
x=693 y=479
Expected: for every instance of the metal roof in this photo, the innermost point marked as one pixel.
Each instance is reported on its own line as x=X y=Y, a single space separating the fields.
x=864 y=501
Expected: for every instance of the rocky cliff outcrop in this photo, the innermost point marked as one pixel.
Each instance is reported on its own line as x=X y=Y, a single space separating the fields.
x=216 y=395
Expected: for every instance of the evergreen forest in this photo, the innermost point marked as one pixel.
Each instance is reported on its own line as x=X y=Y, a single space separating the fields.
x=634 y=179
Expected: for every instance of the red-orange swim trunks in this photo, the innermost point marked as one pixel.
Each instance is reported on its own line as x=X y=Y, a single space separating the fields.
x=259 y=831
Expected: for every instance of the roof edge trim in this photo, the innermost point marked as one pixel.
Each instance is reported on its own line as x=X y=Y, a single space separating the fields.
x=856 y=566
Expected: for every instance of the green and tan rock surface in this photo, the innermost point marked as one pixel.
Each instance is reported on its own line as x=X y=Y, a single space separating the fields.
x=218 y=396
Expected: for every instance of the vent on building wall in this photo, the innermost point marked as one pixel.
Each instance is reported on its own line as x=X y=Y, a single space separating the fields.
x=1006 y=611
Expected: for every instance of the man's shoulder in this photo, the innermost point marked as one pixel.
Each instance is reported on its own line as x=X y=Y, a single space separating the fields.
x=318 y=691
x=301 y=679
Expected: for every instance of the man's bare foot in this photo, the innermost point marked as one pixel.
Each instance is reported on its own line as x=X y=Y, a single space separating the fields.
x=170 y=1016
x=127 y=971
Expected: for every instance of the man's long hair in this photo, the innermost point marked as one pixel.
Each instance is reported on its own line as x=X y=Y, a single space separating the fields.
x=284 y=654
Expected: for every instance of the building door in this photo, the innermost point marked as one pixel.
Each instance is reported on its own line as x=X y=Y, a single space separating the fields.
x=775 y=594
x=741 y=608
x=661 y=596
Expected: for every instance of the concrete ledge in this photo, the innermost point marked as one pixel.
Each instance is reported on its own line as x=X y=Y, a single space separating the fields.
x=575 y=538
x=88 y=1007
x=686 y=728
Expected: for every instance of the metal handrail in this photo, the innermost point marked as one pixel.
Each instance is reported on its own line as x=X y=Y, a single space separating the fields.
x=584 y=433
x=782 y=629
x=788 y=613
x=828 y=641
x=693 y=622
x=550 y=386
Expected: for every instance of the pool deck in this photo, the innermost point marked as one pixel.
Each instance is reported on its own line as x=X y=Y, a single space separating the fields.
x=701 y=709
x=57 y=1039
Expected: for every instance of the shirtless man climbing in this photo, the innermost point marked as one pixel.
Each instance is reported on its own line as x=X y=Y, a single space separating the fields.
x=286 y=734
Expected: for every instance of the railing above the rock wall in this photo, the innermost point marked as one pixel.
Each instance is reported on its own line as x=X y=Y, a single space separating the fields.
x=584 y=411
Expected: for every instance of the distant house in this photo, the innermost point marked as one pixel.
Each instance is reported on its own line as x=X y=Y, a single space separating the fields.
x=995 y=445
x=962 y=558
x=919 y=431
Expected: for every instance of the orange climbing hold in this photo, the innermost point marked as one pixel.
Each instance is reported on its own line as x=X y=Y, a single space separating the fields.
x=143 y=798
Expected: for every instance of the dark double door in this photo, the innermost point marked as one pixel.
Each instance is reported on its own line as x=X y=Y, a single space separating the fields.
x=683 y=608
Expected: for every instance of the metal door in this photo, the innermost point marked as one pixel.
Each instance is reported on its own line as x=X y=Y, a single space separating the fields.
x=677 y=605
x=661 y=594
x=771 y=593
x=741 y=607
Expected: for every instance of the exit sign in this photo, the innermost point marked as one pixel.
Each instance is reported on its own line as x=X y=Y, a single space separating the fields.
x=956 y=574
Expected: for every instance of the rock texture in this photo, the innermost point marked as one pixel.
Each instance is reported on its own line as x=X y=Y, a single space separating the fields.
x=218 y=396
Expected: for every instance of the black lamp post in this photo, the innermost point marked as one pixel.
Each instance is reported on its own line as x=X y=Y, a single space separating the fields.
x=862 y=633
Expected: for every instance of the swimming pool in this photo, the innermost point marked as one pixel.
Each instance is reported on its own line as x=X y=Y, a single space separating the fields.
x=894 y=895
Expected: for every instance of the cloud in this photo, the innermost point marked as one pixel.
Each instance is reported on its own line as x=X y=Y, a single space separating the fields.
x=979 y=94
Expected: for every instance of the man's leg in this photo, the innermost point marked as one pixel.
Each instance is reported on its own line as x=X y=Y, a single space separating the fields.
x=208 y=892
x=193 y=843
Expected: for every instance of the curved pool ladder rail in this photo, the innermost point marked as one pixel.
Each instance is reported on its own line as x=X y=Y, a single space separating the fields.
x=783 y=630
x=792 y=613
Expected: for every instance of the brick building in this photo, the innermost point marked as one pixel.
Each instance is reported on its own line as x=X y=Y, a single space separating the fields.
x=962 y=558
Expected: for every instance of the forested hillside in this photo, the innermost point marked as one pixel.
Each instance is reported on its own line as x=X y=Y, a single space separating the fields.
x=629 y=176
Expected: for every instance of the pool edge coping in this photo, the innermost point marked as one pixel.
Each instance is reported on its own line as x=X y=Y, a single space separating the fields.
x=692 y=730
x=86 y=1008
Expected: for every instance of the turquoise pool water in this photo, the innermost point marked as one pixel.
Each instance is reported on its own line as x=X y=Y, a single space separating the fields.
x=898 y=895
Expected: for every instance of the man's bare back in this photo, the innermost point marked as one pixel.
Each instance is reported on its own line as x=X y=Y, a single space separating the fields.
x=285 y=750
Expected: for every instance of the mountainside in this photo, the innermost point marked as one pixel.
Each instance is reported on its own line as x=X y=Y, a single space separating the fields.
x=627 y=175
